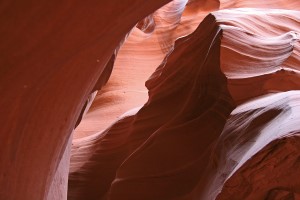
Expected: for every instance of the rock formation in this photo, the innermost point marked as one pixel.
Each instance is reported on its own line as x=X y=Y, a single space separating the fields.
x=219 y=117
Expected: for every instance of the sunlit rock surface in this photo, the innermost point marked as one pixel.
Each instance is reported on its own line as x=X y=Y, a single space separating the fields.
x=188 y=141
x=180 y=100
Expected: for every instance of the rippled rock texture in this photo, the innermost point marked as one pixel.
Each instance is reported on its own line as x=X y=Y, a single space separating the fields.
x=156 y=100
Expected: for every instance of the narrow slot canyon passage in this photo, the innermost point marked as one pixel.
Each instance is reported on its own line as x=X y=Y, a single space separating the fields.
x=137 y=59
x=150 y=100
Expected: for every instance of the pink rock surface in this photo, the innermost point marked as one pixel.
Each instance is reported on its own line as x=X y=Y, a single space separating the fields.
x=181 y=100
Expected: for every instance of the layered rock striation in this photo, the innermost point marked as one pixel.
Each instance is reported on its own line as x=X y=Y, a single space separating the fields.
x=181 y=100
x=220 y=104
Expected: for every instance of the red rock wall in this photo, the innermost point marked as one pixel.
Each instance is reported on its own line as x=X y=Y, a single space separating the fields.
x=220 y=121
x=52 y=54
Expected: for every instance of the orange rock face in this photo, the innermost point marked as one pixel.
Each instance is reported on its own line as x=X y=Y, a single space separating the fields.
x=154 y=100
